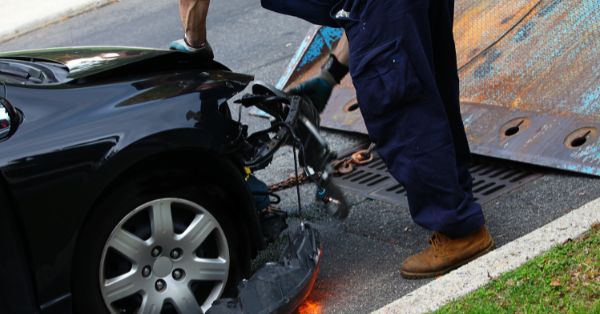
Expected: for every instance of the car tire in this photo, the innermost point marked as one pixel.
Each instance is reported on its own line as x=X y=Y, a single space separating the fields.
x=125 y=246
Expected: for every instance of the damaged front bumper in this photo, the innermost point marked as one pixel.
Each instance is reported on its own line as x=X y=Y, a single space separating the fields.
x=279 y=287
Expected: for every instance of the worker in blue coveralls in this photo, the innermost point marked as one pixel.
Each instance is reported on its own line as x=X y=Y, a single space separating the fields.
x=402 y=60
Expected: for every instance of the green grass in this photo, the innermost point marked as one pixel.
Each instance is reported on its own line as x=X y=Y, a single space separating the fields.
x=564 y=280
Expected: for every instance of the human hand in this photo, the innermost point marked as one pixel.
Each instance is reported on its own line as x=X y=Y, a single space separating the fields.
x=317 y=89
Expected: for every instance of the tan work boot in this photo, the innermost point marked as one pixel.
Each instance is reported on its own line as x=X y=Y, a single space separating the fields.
x=446 y=254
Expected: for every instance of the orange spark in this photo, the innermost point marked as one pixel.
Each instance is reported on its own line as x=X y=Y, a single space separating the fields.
x=310 y=307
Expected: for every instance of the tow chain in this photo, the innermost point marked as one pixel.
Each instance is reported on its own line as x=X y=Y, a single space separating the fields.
x=288 y=183
x=341 y=166
x=361 y=157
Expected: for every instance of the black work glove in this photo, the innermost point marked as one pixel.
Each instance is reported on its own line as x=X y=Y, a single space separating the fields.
x=318 y=89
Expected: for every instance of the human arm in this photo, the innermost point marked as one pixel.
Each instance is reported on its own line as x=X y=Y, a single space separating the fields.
x=318 y=89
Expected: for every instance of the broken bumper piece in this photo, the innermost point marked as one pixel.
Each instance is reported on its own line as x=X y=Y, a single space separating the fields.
x=279 y=287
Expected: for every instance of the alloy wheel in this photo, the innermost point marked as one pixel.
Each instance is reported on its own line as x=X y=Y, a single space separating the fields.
x=166 y=256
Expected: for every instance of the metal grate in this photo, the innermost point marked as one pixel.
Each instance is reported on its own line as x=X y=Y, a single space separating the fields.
x=491 y=178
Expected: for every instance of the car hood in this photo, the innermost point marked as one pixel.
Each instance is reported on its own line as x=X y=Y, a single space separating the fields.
x=87 y=61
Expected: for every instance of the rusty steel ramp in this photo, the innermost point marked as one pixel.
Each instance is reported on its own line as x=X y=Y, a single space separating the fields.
x=530 y=80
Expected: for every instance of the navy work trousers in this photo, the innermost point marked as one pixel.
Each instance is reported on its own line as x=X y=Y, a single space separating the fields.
x=403 y=65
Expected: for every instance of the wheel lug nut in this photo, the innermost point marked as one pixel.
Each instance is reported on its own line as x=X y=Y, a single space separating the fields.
x=160 y=285
x=146 y=271
x=176 y=253
x=156 y=251
x=178 y=274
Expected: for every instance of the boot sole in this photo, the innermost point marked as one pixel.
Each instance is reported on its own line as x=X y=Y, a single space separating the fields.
x=411 y=275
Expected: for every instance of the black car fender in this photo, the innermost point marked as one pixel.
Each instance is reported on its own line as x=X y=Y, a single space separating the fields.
x=80 y=137
x=203 y=165
x=17 y=293
x=55 y=189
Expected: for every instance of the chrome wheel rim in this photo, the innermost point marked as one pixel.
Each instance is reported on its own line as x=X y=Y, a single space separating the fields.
x=169 y=255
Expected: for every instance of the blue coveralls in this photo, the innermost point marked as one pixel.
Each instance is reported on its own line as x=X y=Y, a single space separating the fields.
x=403 y=65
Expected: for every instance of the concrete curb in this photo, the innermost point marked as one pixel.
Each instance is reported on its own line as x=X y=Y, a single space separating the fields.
x=31 y=15
x=510 y=256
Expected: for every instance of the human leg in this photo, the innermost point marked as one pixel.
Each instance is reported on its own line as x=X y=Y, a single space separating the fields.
x=403 y=63
x=392 y=64
x=446 y=74
x=193 y=17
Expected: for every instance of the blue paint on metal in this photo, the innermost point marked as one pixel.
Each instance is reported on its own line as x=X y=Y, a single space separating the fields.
x=487 y=67
x=592 y=6
x=590 y=102
x=325 y=39
x=589 y=155
x=524 y=32
x=588 y=14
x=549 y=8
x=581 y=169
x=310 y=50
x=468 y=119
x=331 y=36
x=292 y=65
x=313 y=52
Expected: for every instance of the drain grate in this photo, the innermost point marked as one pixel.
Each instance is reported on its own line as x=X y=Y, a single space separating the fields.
x=491 y=178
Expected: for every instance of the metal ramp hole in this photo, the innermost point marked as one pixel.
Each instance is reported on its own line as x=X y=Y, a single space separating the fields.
x=579 y=141
x=514 y=127
x=581 y=137
x=512 y=131
x=351 y=106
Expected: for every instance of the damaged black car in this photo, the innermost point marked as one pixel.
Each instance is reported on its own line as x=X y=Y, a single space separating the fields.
x=123 y=185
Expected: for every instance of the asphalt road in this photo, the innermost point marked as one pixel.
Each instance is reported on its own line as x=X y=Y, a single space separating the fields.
x=360 y=270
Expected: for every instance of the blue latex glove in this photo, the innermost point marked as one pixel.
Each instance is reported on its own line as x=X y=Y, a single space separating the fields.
x=318 y=89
